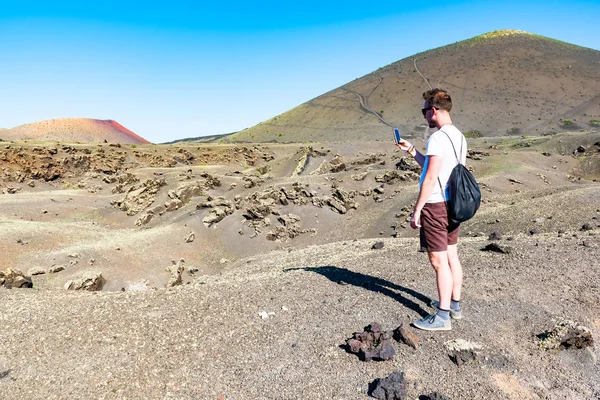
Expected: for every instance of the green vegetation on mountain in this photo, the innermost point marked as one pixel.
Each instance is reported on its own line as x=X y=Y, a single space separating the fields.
x=500 y=81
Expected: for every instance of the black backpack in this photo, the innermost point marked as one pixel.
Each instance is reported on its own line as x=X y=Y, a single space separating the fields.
x=464 y=194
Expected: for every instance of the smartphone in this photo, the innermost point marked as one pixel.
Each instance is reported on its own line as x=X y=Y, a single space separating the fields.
x=397 y=135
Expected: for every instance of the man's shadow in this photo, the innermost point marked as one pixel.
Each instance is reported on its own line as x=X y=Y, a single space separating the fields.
x=343 y=276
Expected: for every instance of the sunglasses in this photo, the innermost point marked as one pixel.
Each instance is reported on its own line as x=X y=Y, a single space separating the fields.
x=424 y=110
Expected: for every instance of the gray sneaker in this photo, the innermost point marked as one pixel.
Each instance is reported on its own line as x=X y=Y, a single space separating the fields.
x=454 y=314
x=433 y=322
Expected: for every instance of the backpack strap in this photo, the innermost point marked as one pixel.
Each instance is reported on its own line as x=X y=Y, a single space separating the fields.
x=457 y=162
x=454 y=148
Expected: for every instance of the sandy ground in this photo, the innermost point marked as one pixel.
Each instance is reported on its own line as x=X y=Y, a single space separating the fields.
x=206 y=339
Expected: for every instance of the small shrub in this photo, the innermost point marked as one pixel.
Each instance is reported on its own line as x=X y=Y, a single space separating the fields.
x=594 y=122
x=133 y=146
x=566 y=122
x=473 y=134
x=263 y=169
x=522 y=144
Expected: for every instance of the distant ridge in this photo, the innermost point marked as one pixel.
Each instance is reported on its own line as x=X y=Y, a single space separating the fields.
x=201 y=139
x=74 y=130
x=506 y=82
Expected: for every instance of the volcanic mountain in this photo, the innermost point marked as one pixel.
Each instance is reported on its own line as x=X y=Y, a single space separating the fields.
x=502 y=83
x=74 y=130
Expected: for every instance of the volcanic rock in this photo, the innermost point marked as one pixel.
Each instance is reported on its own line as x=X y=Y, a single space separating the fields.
x=144 y=218
x=433 y=396
x=190 y=238
x=566 y=335
x=56 y=268
x=176 y=271
x=407 y=336
x=90 y=281
x=337 y=164
x=404 y=165
x=372 y=344
x=494 y=236
x=370 y=159
x=216 y=215
x=462 y=351
x=495 y=247
x=336 y=205
x=173 y=205
x=393 y=387
x=391 y=177
x=140 y=197
x=11 y=278
x=36 y=271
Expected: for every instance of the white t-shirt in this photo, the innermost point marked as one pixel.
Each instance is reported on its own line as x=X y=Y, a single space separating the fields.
x=439 y=145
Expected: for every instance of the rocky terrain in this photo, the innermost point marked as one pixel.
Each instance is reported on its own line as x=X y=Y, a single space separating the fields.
x=240 y=271
x=101 y=207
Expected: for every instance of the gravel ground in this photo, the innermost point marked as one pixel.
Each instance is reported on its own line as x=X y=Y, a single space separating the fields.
x=206 y=340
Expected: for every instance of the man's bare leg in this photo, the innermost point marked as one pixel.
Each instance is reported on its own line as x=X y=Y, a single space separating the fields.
x=439 y=321
x=456 y=270
x=444 y=277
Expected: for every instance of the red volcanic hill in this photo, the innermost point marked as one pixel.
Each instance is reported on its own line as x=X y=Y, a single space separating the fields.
x=74 y=130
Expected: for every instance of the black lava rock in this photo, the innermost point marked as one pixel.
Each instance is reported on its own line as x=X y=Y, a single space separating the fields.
x=392 y=387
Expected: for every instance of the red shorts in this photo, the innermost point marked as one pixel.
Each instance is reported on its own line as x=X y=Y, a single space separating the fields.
x=436 y=233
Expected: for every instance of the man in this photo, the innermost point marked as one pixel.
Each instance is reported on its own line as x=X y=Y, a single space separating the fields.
x=438 y=236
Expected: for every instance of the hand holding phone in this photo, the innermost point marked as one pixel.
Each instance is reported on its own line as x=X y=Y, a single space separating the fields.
x=403 y=144
x=397 y=135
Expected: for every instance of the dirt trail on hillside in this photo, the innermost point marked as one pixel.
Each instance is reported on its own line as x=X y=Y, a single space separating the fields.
x=206 y=340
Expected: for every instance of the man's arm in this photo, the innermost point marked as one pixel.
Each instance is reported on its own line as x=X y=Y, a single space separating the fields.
x=429 y=182
x=419 y=158
x=410 y=149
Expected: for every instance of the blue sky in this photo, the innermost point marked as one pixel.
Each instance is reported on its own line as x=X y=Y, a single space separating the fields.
x=171 y=70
